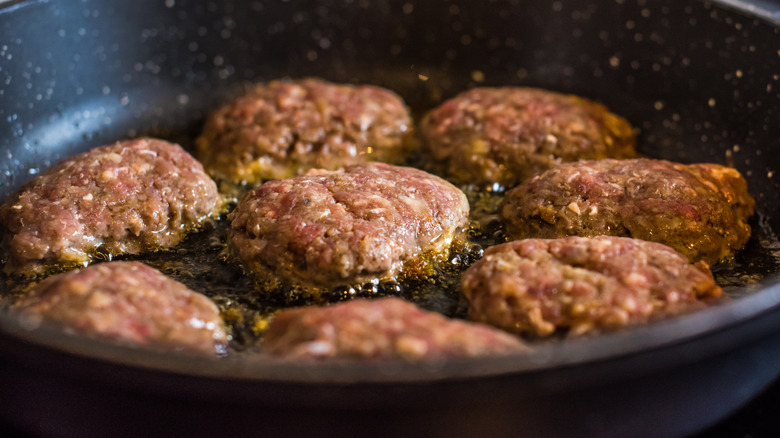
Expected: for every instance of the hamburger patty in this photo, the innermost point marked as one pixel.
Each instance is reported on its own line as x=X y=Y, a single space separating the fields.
x=700 y=210
x=537 y=286
x=330 y=228
x=284 y=128
x=126 y=198
x=128 y=303
x=508 y=134
x=388 y=328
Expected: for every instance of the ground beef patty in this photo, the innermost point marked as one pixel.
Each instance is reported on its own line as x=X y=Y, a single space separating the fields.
x=125 y=198
x=330 y=228
x=388 y=328
x=700 y=210
x=284 y=128
x=508 y=134
x=128 y=303
x=536 y=286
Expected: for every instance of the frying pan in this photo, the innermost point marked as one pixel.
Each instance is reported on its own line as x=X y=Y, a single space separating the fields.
x=699 y=80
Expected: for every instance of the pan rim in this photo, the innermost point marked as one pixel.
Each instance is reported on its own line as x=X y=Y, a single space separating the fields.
x=246 y=367
x=757 y=8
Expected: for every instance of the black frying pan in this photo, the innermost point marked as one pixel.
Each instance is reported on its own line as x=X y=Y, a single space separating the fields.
x=698 y=79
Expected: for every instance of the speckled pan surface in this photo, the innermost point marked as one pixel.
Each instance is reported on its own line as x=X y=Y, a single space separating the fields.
x=699 y=80
x=89 y=82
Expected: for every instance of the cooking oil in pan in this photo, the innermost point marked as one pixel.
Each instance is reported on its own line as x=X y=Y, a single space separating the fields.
x=199 y=263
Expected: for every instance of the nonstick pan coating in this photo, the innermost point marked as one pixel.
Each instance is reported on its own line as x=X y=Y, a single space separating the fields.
x=699 y=81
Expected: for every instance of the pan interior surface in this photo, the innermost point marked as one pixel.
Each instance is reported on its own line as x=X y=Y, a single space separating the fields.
x=698 y=81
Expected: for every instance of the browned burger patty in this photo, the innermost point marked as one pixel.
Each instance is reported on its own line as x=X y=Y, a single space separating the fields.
x=700 y=210
x=388 y=328
x=508 y=134
x=286 y=127
x=125 y=198
x=536 y=286
x=330 y=228
x=128 y=303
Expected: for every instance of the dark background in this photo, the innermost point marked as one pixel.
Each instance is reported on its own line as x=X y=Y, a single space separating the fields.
x=756 y=420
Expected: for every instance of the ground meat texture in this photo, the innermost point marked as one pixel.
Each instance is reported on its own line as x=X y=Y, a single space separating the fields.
x=508 y=134
x=126 y=198
x=284 y=128
x=536 y=286
x=330 y=228
x=128 y=303
x=700 y=210
x=388 y=328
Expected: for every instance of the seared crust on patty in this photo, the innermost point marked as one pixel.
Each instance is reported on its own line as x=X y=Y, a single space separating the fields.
x=508 y=134
x=701 y=210
x=537 y=286
x=381 y=329
x=126 y=198
x=284 y=128
x=128 y=303
x=330 y=228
